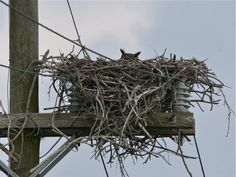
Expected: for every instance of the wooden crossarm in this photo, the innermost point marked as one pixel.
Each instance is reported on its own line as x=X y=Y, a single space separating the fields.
x=159 y=124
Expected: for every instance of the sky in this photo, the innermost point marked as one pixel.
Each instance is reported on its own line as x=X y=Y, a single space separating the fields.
x=201 y=29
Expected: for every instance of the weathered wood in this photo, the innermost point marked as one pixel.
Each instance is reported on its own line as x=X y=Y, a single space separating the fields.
x=159 y=124
x=23 y=51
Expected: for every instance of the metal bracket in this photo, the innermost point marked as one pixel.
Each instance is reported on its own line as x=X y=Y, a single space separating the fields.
x=20 y=120
x=172 y=119
x=7 y=170
x=180 y=137
x=46 y=165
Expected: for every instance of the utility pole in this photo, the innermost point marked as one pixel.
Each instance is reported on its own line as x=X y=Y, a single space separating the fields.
x=23 y=50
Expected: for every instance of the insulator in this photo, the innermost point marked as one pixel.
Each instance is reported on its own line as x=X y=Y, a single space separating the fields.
x=74 y=100
x=181 y=96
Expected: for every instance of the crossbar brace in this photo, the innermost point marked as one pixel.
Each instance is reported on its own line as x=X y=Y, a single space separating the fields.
x=45 y=166
x=7 y=170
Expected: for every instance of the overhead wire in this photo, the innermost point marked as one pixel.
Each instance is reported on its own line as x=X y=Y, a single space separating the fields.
x=77 y=31
x=181 y=151
x=73 y=19
x=53 y=31
x=104 y=165
x=28 y=71
x=199 y=156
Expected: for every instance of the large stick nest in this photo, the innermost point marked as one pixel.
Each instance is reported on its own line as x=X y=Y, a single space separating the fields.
x=121 y=93
x=130 y=86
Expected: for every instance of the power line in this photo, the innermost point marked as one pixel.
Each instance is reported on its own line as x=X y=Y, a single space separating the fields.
x=104 y=165
x=73 y=19
x=199 y=156
x=53 y=31
x=26 y=71
x=76 y=30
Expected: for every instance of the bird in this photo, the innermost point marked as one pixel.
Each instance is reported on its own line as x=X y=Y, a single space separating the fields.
x=129 y=56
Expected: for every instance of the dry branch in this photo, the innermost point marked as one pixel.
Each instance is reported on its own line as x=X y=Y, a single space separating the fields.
x=130 y=89
x=121 y=94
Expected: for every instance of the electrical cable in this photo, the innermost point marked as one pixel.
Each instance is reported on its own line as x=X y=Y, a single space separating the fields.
x=28 y=71
x=181 y=151
x=104 y=165
x=77 y=31
x=50 y=148
x=53 y=31
x=73 y=19
x=199 y=156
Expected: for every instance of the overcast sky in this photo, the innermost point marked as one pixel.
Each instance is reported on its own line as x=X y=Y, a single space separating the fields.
x=203 y=29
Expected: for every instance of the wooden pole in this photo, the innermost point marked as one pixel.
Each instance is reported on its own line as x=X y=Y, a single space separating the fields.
x=23 y=50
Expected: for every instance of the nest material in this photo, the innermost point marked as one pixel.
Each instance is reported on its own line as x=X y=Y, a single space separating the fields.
x=121 y=93
x=135 y=87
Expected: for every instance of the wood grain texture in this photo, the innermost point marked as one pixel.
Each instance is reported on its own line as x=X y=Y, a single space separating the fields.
x=159 y=124
x=23 y=51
